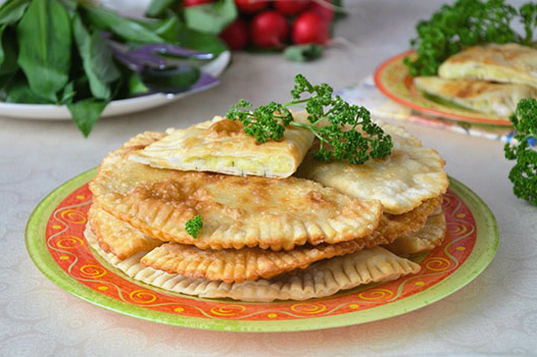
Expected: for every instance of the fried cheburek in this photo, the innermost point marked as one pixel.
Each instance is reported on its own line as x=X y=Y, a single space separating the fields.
x=427 y=238
x=321 y=279
x=220 y=145
x=239 y=211
x=410 y=175
x=232 y=265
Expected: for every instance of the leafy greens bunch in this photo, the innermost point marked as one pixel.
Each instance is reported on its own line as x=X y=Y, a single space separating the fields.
x=60 y=52
x=345 y=131
x=468 y=23
x=524 y=174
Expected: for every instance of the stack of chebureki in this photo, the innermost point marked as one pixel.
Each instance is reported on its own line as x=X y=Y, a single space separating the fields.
x=490 y=79
x=263 y=238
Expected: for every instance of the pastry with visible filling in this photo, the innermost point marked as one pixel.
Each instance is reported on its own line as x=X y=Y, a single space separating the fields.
x=481 y=96
x=507 y=63
x=222 y=146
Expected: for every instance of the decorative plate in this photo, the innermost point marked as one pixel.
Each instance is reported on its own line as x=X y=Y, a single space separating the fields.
x=56 y=244
x=116 y=107
x=393 y=79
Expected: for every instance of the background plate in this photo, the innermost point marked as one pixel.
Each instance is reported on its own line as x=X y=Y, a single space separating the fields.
x=392 y=79
x=56 y=244
x=116 y=107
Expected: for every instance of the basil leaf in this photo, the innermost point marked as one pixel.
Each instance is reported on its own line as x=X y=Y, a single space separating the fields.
x=211 y=18
x=157 y=8
x=136 y=85
x=303 y=53
x=68 y=93
x=127 y=29
x=200 y=41
x=12 y=10
x=44 y=35
x=174 y=80
x=96 y=59
x=19 y=92
x=169 y=28
x=86 y=112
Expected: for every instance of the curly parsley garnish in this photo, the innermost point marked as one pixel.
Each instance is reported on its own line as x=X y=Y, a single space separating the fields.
x=338 y=137
x=524 y=174
x=468 y=23
x=193 y=226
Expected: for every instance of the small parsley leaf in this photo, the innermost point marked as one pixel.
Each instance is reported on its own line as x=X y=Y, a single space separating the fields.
x=193 y=226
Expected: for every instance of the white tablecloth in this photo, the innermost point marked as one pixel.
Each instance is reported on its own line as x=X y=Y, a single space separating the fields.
x=496 y=313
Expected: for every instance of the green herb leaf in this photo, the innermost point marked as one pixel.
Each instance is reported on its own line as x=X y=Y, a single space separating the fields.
x=12 y=11
x=193 y=226
x=200 y=41
x=8 y=52
x=303 y=53
x=136 y=86
x=345 y=132
x=44 y=35
x=86 y=112
x=524 y=174
x=157 y=8
x=528 y=12
x=68 y=93
x=129 y=30
x=97 y=60
x=18 y=91
x=174 y=80
x=211 y=18
x=453 y=27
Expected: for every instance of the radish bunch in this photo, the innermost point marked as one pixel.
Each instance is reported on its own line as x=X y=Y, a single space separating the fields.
x=275 y=24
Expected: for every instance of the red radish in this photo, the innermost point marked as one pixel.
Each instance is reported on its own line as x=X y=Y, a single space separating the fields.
x=188 y=3
x=251 y=6
x=291 y=7
x=269 y=29
x=323 y=8
x=236 y=34
x=310 y=27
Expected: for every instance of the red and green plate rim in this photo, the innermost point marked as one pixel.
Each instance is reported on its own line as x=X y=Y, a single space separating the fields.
x=481 y=250
x=399 y=90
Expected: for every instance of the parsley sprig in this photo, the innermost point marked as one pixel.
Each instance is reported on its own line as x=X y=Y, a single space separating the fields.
x=193 y=226
x=345 y=131
x=468 y=23
x=524 y=174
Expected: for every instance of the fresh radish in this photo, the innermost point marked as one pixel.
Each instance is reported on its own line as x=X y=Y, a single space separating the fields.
x=188 y=3
x=251 y=6
x=310 y=27
x=269 y=29
x=291 y=7
x=323 y=8
x=236 y=34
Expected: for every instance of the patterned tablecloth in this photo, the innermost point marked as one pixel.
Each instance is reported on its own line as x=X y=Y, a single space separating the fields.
x=496 y=313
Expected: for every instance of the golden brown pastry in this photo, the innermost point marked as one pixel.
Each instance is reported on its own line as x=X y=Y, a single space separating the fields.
x=222 y=146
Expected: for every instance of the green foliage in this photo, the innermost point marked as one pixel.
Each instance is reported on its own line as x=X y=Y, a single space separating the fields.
x=86 y=112
x=44 y=36
x=524 y=174
x=467 y=23
x=345 y=132
x=193 y=226
x=211 y=18
x=303 y=53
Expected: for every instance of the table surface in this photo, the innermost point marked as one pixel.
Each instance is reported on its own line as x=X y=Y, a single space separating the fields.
x=497 y=312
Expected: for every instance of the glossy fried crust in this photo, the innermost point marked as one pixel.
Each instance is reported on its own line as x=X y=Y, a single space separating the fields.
x=117 y=237
x=321 y=279
x=505 y=63
x=410 y=175
x=482 y=96
x=427 y=238
x=222 y=146
x=237 y=211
